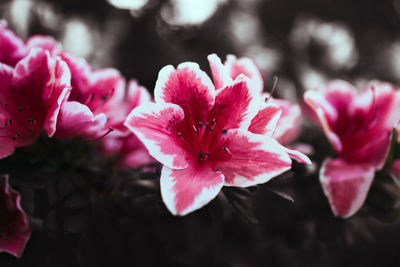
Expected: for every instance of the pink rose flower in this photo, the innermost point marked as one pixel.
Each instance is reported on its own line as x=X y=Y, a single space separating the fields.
x=358 y=124
x=14 y=225
x=201 y=137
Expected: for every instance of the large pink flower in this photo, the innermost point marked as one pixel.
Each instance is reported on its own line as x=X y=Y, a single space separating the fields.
x=14 y=225
x=200 y=136
x=122 y=142
x=30 y=98
x=359 y=126
x=12 y=47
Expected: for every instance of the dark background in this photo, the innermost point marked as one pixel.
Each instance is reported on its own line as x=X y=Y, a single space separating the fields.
x=84 y=212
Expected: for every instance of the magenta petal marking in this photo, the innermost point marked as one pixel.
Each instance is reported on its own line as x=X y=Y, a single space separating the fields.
x=187 y=86
x=186 y=190
x=153 y=124
x=14 y=226
x=266 y=119
x=255 y=159
x=219 y=72
x=345 y=185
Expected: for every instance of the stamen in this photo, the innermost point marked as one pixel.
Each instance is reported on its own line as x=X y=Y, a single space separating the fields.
x=17 y=134
x=5 y=124
x=6 y=104
x=211 y=129
x=10 y=122
x=179 y=134
x=274 y=86
x=200 y=124
x=13 y=138
x=227 y=150
x=213 y=122
x=195 y=130
x=104 y=135
x=20 y=109
x=224 y=131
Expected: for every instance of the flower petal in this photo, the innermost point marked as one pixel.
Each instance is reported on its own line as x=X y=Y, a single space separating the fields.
x=12 y=47
x=152 y=124
x=345 y=185
x=324 y=110
x=77 y=119
x=235 y=105
x=255 y=159
x=14 y=226
x=247 y=67
x=219 y=72
x=45 y=42
x=266 y=119
x=288 y=126
x=298 y=156
x=187 y=86
x=186 y=190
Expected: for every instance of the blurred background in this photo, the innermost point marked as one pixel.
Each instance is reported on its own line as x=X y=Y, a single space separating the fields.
x=304 y=43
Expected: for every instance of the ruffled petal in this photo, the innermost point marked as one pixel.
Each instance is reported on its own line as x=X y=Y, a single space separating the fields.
x=324 y=110
x=345 y=185
x=152 y=123
x=266 y=119
x=255 y=159
x=288 y=126
x=45 y=42
x=77 y=119
x=235 y=105
x=187 y=86
x=247 y=67
x=12 y=47
x=219 y=72
x=186 y=190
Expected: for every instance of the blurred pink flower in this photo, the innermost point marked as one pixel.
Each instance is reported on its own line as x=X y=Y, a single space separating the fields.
x=122 y=142
x=12 y=47
x=201 y=137
x=14 y=225
x=358 y=124
x=31 y=95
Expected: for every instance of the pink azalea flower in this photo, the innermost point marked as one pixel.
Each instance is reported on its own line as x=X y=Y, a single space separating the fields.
x=30 y=98
x=14 y=225
x=12 y=47
x=358 y=124
x=200 y=136
x=123 y=143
